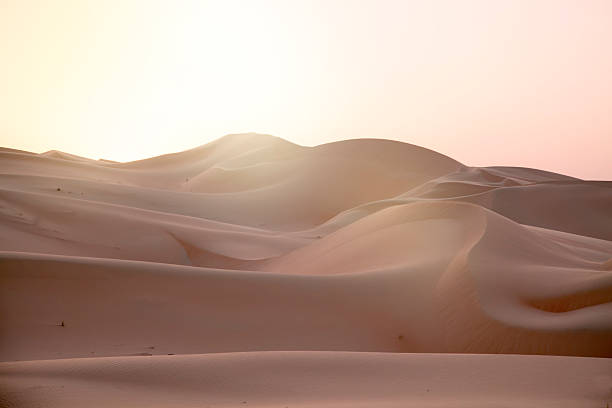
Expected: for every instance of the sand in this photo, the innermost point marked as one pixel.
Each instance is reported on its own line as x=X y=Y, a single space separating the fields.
x=252 y=271
x=309 y=379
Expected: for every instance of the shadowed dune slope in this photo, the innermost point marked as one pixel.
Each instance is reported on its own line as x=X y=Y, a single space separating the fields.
x=556 y=203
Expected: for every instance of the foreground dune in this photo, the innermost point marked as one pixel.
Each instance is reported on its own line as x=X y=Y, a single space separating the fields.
x=252 y=244
x=310 y=379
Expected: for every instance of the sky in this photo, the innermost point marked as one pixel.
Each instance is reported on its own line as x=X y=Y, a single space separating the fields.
x=521 y=83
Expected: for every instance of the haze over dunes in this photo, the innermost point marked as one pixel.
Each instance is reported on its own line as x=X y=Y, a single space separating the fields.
x=520 y=82
x=132 y=276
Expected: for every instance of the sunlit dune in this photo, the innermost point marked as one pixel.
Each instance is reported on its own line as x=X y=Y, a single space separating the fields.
x=324 y=276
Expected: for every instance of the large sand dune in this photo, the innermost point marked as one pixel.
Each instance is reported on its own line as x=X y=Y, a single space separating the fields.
x=252 y=244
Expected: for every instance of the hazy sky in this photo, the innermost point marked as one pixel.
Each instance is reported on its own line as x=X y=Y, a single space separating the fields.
x=525 y=83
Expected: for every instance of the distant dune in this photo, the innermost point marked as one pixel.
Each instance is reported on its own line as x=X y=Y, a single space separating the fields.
x=287 y=260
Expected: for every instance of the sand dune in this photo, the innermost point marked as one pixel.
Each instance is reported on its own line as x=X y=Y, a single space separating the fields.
x=62 y=225
x=431 y=277
x=251 y=244
x=310 y=379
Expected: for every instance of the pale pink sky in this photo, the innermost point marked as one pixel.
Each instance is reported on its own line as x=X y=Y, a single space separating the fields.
x=524 y=83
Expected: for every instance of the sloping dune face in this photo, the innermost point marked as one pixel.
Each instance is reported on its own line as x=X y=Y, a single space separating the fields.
x=252 y=244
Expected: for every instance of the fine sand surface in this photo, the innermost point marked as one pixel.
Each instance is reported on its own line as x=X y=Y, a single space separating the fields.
x=309 y=379
x=252 y=271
